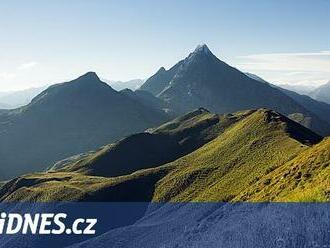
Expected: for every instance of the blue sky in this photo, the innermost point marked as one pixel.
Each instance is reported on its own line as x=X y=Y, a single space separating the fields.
x=43 y=42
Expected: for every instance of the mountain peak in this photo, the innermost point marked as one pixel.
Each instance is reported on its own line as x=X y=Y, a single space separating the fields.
x=90 y=79
x=161 y=69
x=85 y=83
x=89 y=76
x=201 y=51
x=202 y=48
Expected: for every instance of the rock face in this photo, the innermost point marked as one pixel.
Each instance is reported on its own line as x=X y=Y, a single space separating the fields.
x=202 y=80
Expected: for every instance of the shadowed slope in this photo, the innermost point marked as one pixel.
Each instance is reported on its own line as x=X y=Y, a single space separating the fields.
x=68 y=119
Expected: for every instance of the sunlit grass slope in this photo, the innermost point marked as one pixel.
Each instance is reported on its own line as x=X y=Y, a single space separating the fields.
x=304 y=178
x=59 y=186
x=236 y=159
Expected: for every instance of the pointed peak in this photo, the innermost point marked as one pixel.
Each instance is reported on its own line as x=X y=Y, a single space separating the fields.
x=202 y=48
x=161 y=69
x=90 y=76
x=200 y=51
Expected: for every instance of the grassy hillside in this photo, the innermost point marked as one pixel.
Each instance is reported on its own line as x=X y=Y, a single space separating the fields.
x=304 y=178
x=236 y=159
x=59 y=186
x=156 y=147
x=241 y=157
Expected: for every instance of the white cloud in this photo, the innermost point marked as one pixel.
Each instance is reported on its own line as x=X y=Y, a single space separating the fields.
x=6 y=76
x=17 y=76
x=27 y=65
x=292 y=68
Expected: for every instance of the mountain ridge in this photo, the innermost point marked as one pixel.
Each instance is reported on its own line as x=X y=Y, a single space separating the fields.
x=202 y=80
x=67 y=119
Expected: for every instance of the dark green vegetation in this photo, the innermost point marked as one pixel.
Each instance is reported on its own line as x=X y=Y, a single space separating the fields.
x=68 y=119
x=202 y=80
x=250 y=155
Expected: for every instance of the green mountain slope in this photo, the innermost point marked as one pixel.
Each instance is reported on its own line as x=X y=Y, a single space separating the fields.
x=235 y=155
x=156 y=147
x=228 y=164
x=304 y=178
x=68 y=119
x=58 y=186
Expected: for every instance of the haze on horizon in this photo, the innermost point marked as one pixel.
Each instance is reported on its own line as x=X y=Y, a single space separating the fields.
x=42 y=42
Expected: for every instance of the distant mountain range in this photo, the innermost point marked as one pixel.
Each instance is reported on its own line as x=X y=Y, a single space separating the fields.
x=68 y=119
x=299 y=88
x=321 y=109
x=202 y=80
x=322 y=93
x=133 y=84
x=15 y=99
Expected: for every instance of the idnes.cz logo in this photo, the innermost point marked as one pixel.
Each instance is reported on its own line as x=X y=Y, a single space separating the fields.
x=44 y=223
